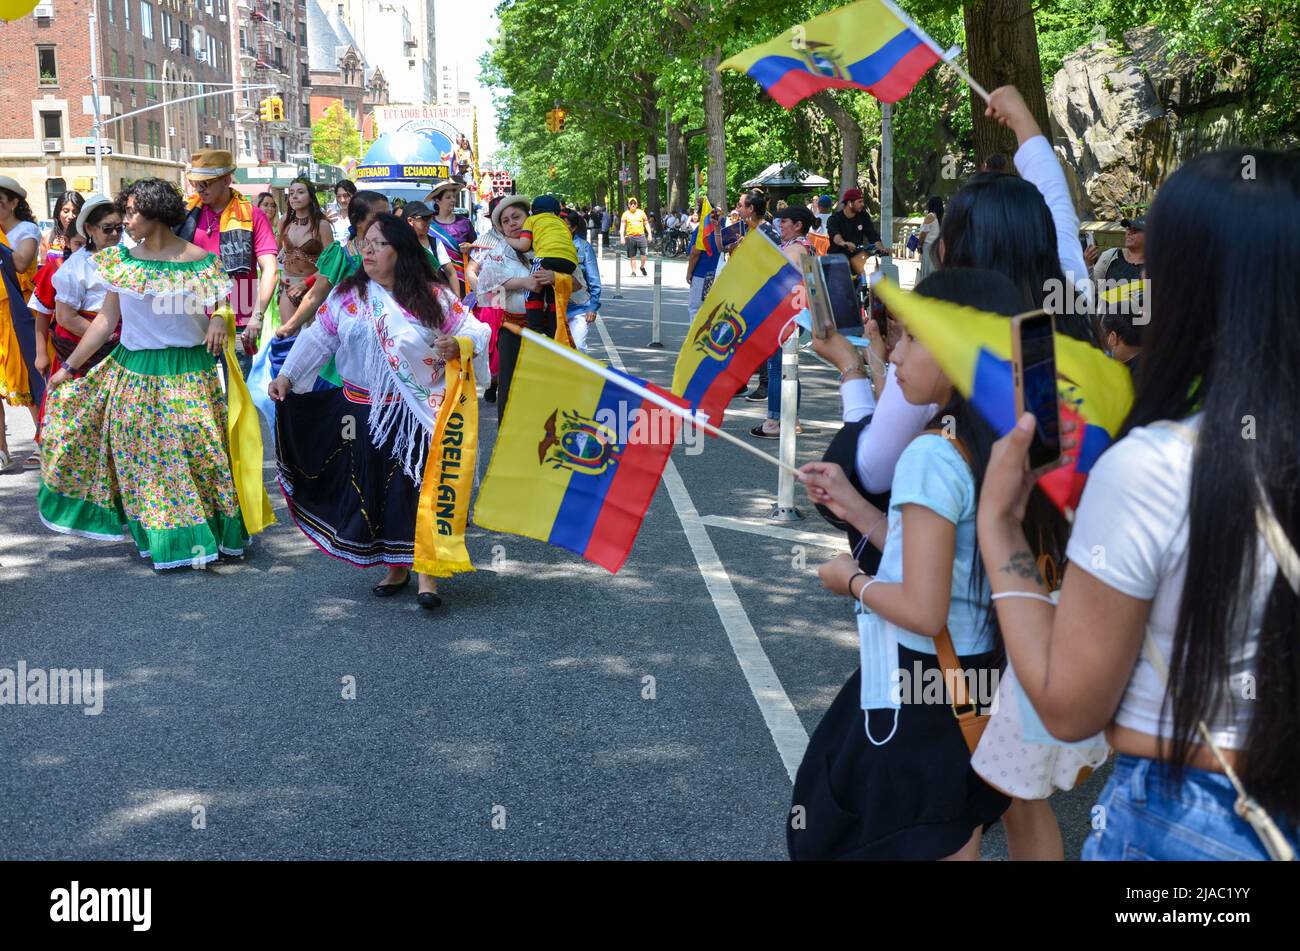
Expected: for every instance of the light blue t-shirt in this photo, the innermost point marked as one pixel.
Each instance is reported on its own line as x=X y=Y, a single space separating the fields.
x=932 y=473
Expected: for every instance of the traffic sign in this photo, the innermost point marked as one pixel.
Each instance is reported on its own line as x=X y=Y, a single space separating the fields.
x=103 y=150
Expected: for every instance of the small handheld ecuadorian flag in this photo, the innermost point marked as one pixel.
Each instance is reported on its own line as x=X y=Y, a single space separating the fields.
x=579 y=454
x=865 y=45
x=748 y=312
x=973 y=349
x=706 y=229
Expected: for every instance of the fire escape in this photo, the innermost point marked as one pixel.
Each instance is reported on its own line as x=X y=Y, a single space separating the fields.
x=270 y=69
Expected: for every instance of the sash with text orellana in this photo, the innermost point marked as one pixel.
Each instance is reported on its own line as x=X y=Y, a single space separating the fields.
x=449 y=473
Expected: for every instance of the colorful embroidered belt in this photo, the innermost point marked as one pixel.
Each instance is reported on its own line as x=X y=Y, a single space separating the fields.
x=359 y=394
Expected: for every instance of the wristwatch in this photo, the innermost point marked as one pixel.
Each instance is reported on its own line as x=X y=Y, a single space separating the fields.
x=65 y=365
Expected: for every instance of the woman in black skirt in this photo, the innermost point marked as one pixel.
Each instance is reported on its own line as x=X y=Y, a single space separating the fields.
x=887 y=772
x=351 y=459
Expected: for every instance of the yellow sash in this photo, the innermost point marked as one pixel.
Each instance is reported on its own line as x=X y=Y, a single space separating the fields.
x=449 y=474
x=244 y=430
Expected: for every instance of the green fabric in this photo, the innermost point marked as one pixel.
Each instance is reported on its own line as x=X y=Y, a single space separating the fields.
x=270 y=319
x=79 y=515
x=198 y=265
x=174 y=547
x=170 y=361
x=335 y=263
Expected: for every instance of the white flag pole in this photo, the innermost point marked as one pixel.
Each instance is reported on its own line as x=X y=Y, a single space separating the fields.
x=690 y=416
x=948 y=56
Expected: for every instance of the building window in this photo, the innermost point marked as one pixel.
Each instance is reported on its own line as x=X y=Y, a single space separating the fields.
x=112 y=62
x=47 y=68
x=243 y=38
x=151 y=72
x=146 y=20
x=126 y=15
x=135 y=135
x=275 y=13
x=51 y=125
x=110 y=11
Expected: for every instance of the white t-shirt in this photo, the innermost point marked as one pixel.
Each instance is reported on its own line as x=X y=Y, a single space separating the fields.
x=1130 y=533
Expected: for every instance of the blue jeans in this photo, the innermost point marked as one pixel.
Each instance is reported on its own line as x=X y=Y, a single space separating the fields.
x=1147 y=816
x=774 y=387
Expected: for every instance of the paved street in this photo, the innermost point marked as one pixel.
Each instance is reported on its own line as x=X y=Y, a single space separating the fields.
x=526 y=698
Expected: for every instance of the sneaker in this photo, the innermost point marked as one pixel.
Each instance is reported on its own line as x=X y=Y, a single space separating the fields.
x=742 y=391
x=643 y=273
x=759 y=395
x=490 y=394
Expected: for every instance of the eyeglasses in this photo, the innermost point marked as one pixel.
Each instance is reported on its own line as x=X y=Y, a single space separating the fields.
x=374 y=245
x=109 y=229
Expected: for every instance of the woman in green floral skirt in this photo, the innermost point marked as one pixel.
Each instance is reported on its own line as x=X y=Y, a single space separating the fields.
x=138 y=447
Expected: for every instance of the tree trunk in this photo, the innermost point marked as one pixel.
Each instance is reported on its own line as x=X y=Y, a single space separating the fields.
x=679 y=187
x=651 y=116
x=1002 y=50
x=850 y=137
x=715 y=123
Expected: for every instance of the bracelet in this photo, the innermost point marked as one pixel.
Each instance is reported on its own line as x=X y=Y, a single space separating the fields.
x=863 y=593
x=65 y=365
x=847 y=373
x=855 y=577
x=1031 y=595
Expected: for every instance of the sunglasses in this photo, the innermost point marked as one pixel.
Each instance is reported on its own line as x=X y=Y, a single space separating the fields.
x=109 y=229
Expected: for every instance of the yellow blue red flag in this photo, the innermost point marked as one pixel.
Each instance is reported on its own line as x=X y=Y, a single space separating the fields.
x=973 y=349
x=706 y=229
x=864 y=45
x=748 y=312
x=579 y=454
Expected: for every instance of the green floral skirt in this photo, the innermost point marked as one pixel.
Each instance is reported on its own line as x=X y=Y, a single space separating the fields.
x=137 y=449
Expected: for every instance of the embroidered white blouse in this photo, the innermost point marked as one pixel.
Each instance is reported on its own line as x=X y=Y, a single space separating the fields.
x=79 y=284
x=498 y=263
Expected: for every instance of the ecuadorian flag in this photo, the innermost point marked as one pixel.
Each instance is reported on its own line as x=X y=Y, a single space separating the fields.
x=579 y=455
x=748 y=312
x=973 y=349
x=864 y=45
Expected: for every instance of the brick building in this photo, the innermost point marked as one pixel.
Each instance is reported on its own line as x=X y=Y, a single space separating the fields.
x=271 y=39
x=149 y=50
x=338 y=69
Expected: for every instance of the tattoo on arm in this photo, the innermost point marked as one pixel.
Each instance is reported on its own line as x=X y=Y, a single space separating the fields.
x=1022 y=563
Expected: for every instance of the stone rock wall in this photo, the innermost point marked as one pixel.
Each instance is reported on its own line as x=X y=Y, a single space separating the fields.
x=1123 y=119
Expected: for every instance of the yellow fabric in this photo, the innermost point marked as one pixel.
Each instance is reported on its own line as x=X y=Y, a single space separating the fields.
x=15 y=387
x=449 y=474
x=563 y=291
x=551 y=237
x=634 y=223
x=236 y=216
x=244 y=432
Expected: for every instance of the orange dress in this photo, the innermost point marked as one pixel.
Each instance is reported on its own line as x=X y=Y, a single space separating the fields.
x=15 y=387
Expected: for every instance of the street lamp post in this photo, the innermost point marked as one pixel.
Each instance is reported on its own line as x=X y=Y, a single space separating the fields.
x=100 y=180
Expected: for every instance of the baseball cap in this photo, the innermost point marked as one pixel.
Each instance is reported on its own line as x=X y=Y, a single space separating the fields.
x=797 y=213
x=417 y=209
x=1137 y=224
x=851 y=194
x=546 y=205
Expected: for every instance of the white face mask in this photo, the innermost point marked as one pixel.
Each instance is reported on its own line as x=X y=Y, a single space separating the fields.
x=878 y=655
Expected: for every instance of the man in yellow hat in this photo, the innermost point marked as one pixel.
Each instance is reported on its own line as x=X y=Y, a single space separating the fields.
x=223 y=221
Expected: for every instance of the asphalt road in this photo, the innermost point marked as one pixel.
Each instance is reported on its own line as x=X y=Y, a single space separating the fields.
x=520 y=721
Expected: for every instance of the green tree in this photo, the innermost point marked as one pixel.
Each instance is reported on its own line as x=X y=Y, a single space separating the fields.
x=335 y=138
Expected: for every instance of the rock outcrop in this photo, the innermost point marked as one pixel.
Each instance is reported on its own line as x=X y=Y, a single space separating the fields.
x=1123 y=119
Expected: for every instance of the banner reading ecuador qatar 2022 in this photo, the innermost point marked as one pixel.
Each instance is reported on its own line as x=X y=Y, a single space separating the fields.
x=419 y=143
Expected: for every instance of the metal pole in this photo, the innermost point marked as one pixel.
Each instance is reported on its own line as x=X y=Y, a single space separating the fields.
x=100 y=181
x=784 y=510
x=887 y=264
x=618 y=276
x=600 y=246
x=657 y=310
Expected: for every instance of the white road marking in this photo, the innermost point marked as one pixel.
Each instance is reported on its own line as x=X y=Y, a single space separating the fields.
x=773 y=530
x=779 y=714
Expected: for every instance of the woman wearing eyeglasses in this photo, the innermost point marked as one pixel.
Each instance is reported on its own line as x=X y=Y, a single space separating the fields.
x=352 y=459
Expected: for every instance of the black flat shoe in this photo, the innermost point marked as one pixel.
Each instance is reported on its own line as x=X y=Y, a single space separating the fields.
x=762 y=434
x=428 y=600
x=388 y=590
x=759 y=395
x=490 y=394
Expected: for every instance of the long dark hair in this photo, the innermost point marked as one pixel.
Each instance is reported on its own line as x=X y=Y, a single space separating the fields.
x=414 y=277
x=22 y=210
x=74 y=199
x=1045 y=528
x=313 y=210
x=1002 y=223
x=360 y=206
x=935 y=207
x=1224 y=340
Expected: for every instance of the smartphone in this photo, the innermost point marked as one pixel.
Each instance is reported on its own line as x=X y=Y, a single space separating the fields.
x=832 y=295
x=1033 y=361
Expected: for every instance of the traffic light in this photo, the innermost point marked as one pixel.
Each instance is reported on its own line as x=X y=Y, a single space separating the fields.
x=555 y=119
x=271 y=109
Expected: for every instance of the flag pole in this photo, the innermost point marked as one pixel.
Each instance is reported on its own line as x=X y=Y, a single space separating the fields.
x=690 y=416
x=948 y=56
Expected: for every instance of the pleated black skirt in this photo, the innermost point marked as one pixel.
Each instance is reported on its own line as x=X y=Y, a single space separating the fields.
x=349 y=496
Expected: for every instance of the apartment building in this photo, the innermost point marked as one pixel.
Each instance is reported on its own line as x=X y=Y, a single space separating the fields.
x=272 y=40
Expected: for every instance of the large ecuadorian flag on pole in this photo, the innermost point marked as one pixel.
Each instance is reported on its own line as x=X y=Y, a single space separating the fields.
x=973 y=349
x=864 y=45
x=748 y=312
x=579 y=454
